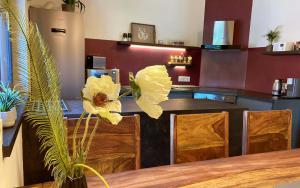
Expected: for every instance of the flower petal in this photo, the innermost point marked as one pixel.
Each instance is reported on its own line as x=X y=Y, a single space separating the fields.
x=155 y=85
x=153 y=110
x=114 y=118
x=88 y=107
x=114 y=106
x=104 y=85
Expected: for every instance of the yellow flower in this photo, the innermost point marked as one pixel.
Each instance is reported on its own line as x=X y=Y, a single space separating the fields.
x=100 y=96
x=151 y=86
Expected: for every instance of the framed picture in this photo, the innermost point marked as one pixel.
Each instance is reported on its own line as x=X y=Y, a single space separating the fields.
x=143 y=33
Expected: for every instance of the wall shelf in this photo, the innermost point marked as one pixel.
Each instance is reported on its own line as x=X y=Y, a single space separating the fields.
x=179 y=64
x=123 y=43
x=282 y=53
x=220 y=47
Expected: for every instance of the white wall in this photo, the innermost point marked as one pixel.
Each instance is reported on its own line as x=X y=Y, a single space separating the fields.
x=108 y=19
x=268 y=14
x=11 y=168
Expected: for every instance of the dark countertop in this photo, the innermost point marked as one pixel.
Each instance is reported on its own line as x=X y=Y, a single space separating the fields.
x=241 y=93
x=172 y=105
x=224 y=91
x=175 y=88
x=10 y=134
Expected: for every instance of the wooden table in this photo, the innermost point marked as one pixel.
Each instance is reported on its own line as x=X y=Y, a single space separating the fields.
x=260 y=170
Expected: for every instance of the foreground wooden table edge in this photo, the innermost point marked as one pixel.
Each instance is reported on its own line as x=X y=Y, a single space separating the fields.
x=259 y=170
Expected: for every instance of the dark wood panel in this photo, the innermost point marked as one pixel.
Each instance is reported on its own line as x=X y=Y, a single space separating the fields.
x=266 y=131
x=115 y=148
x=200 y=137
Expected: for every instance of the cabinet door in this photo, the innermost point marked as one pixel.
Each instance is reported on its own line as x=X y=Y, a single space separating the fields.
x=254 y=104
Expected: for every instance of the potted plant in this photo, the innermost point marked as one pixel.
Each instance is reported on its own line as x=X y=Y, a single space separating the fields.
x=9 y=99
x=69 y=5
x=100 y=97
x=272 y=36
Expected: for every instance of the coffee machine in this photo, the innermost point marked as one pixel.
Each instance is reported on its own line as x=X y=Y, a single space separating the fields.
x=96 y=66
x=293 y=87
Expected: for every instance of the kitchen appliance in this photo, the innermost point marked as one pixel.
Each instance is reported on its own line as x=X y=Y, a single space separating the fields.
x=293 y=87
x=223 y=32
x=276 y=89
x=283 y=46
x=216 y=97
x=63 y=33
x=113 y=73
x=96 y=62
x=96 y=66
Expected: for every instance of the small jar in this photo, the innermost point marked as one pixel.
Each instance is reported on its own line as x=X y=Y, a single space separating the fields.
x=125 y=37
x=129 y=37
x=172 y=58
x=190 y=59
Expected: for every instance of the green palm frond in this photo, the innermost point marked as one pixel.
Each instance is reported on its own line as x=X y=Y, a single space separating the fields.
x=38 y=76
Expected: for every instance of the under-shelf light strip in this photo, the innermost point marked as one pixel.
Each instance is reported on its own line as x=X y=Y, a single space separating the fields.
x=157 y=48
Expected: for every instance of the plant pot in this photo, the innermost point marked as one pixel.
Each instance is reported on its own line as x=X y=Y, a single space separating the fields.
x=75 y=183
x=9 y=118
x=269 y=48
x=68 y=7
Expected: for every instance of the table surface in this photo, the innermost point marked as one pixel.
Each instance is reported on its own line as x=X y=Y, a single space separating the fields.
x=259 y=170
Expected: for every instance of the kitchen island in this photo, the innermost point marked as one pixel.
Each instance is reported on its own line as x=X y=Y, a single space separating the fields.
x=155 y=134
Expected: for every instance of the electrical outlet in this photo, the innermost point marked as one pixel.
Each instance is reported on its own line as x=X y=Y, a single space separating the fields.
x=184 y=79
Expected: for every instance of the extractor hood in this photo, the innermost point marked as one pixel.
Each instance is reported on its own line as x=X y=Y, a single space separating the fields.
x=222 y=36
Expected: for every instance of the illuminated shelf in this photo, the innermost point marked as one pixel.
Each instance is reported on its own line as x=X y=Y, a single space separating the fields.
x=179 y=64
x=162 y=46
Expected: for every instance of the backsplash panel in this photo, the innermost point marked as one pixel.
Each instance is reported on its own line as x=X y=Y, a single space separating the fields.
x=262 y=69
x=129 y=59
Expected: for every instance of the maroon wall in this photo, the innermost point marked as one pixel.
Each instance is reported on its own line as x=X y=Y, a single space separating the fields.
x=262 y=70
x=226 y=68
x=131 y=60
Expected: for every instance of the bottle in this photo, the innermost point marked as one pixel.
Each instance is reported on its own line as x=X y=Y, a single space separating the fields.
x=276 y=91
x=129 y=37
x=125 y=37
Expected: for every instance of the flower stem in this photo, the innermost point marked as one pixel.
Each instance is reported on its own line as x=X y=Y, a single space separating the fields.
x=86 y=129
x=95 y=172
x=75 y=133
x=125 y=94
x=91 y=138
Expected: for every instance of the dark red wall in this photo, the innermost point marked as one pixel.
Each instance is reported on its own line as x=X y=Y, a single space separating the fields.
x=131 y=60
x=262 y=70
x=226 y=68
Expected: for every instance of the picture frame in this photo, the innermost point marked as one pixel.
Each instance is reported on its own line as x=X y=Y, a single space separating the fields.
x=143 y=33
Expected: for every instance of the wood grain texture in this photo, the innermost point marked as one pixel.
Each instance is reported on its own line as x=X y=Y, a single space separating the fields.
x=257 y=170
x=199 y=137
x=266 y=131
x=115 y=148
